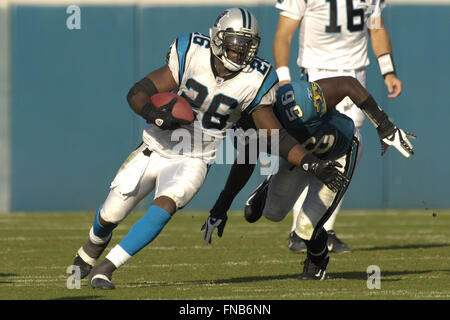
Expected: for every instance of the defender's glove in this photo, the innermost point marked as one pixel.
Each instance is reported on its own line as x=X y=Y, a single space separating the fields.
x=390 y=135
x=209 y=226
x=388 y=132
x=325 y=171
x=162 y=116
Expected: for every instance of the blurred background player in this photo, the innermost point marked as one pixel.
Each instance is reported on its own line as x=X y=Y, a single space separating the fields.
x=330 y=135
x=206 y=71
x=333 y=41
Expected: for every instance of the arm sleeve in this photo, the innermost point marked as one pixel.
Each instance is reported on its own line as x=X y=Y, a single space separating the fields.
x=237 y=179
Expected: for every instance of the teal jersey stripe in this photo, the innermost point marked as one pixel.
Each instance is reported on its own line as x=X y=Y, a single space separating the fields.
x=270 y=80
x=183 y=44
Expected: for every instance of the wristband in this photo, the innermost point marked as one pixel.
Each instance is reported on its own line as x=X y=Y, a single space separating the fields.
x=386 y=64
x=283 y=74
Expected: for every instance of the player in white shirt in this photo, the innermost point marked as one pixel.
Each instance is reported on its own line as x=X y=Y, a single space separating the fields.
x=221 y=77
x=333 y=41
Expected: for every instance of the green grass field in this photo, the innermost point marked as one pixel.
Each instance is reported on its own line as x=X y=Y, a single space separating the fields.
x=250 y=261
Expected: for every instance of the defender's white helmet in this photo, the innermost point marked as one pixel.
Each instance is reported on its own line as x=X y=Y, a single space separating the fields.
x=235 y=29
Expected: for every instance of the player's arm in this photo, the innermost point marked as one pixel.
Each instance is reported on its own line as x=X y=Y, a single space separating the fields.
x=138 y=97
x=382 y=49
x=238 y=177
x=292 y=151
x=337 y=88
x=282 y=45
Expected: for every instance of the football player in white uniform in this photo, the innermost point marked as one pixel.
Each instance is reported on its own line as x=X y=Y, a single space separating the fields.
x=221 y=77
x=333 y=41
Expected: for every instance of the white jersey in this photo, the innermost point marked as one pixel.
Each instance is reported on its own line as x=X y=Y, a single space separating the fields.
x=333 y=33
x=217 y=102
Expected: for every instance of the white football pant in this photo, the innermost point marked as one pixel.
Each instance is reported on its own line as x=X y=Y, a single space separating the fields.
x=177 y=178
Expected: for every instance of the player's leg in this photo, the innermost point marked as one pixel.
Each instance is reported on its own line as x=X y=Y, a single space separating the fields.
x=129 y=187
x=276 y=195
x=240 y=172
x=346 y=107
x=335 y=244
x=295 y=243
x=319 y=205
x=178 y=182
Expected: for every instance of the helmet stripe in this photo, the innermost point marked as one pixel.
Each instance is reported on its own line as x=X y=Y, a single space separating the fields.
x=244 y=17
x=249 y=19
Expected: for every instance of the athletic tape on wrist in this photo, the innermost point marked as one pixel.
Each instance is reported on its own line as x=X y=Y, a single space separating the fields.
x=386 y=64
x=283 y=74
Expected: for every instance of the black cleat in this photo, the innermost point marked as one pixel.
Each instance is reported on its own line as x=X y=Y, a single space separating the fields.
x=335 y=244
x=100 y=277
x=314 y=272
x=100 y=281
x=90 y=252
x=255 y=203
x=296 y=244
x=84 y=267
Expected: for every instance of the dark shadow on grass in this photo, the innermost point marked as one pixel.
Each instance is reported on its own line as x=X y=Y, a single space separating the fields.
x=363 y=276
x=402 y=247
x=351 y=275
x=4 y=275
x=213 y=282
x=80 y=298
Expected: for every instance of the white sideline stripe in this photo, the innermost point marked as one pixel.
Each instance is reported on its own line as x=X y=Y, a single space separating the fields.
x=166 y=3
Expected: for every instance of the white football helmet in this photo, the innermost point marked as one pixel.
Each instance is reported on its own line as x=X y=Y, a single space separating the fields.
x=235 y=29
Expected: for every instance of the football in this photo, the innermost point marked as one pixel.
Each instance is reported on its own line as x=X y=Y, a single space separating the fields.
x=181 y=110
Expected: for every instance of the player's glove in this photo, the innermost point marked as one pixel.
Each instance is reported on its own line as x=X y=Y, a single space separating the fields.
x=212 y=223
x=388 y=132
x=390 y=135
x=326 y=171
x=162 y=116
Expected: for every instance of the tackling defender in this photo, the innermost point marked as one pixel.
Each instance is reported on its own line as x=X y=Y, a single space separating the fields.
x=221 y=77
x=333 y=41
x=313 y=120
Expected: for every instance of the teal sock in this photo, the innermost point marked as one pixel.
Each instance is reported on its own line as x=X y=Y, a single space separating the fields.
x=101 y=230
x=145 y=230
